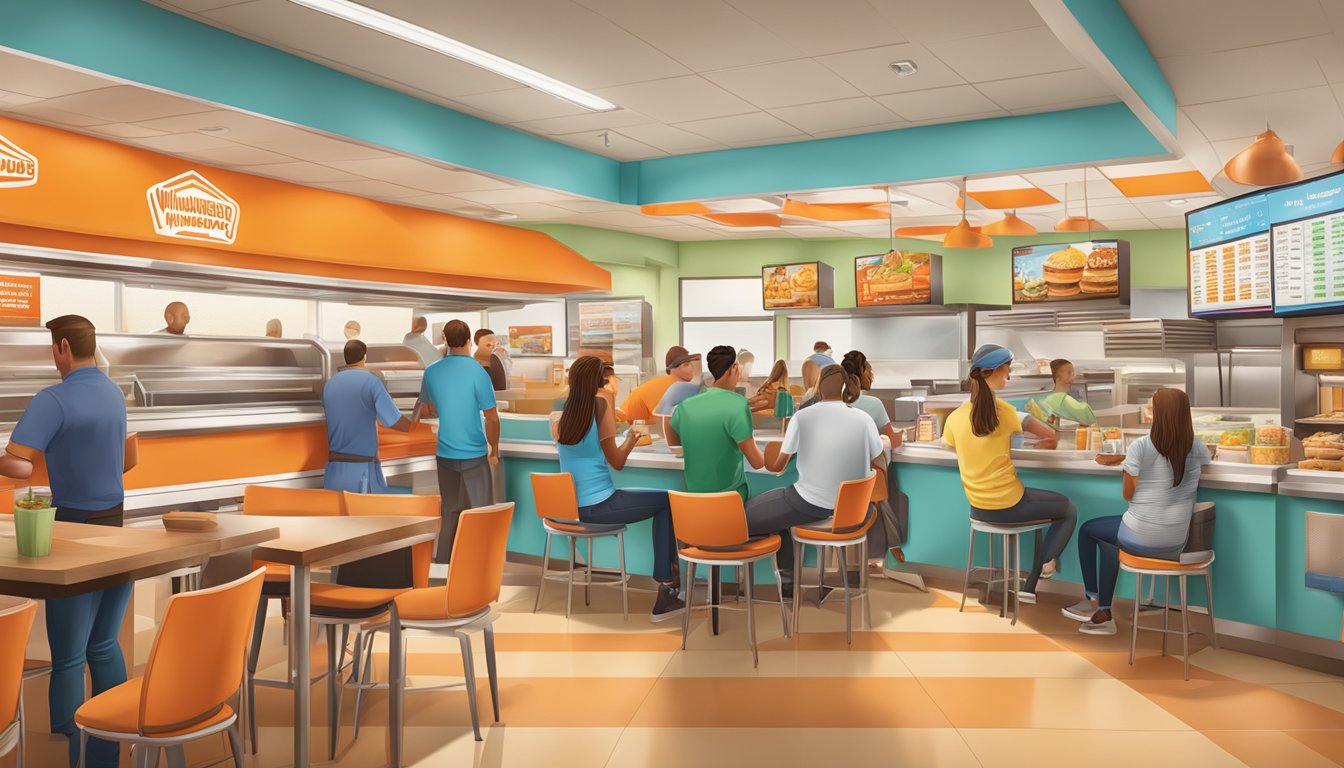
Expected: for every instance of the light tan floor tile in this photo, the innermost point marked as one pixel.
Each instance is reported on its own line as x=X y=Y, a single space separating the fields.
x=695 y=663
x=1210 y=705
x=1047 y=703
x=1268 y=749
x=1326 y=694
x=1257 y=669
x=1036 y=664
x=739 y=747
x=1014 y=748
x=501 y=747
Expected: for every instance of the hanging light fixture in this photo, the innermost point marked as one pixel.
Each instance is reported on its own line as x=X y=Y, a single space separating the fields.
x=1010 y=224
x=1338 y=157
x=1084 y=223
x=1265 y=162
x=963 y=235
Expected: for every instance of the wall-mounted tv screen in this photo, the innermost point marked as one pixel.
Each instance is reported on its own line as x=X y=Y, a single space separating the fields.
x=798 y=286
x=1090 y=269
x=1306 y=224
x=1229 y=258
x=898 y=277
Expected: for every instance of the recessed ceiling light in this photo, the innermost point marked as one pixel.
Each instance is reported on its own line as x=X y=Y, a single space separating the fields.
x=1177 y=202
x=215 y=129
x=904 y=67
x=428 y=39
x=499 y=216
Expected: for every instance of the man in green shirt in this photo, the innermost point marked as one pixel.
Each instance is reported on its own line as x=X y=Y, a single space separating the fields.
x=715 y=431
x=1059 y=404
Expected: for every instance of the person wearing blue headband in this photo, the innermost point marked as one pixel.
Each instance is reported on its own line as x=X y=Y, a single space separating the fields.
x=981 y=432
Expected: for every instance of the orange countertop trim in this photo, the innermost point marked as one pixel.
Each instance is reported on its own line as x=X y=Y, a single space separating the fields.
x=162 y=207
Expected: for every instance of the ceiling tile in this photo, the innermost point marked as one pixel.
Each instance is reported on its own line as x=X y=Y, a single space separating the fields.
x=8 y=99
x=931 y=20
x=681 y=232
x=368 y=188
x=437 y=202
x=537 y=211
x=893 y=125
x=242 y=127
x=737 y=129
x=784 y=84
x=302 y=173
x=1241 y=117
x=519 y=104
x=677 y=99
x=819 y=28
x=669 y=139
x=505 y=196
x=1063 y=106
x=832 y=116
x=126 y=104
x=624 y=219
x=870 y=71
x=938 y=103
x=46 y=80
x=588 y=206
x=611 y=144
x=702 y=34
x=1004 y=55
x=590 y=121
x=125 y=131
x=1043 y=90
x=1050 y=179
x=419 y=175
x=307 y=145
x=1199 y=78
x=196 y=6
x=1224 y=24
x=183 y=142
x=237 y=155
x=43 y=111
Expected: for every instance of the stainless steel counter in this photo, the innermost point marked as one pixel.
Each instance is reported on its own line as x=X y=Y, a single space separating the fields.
x=1312 y=484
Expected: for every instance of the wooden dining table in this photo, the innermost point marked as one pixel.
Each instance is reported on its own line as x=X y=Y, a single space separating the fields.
x=305 y=543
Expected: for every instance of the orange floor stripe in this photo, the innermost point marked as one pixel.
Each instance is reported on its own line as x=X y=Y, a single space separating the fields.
x=1215 y=705
x=814 y=702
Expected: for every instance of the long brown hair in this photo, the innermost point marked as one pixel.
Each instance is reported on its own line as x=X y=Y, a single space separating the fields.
x=585 y=379
x=855 y=364
x=1173 y=432
x=984 y=409
x=849 y=383
x=779 y=373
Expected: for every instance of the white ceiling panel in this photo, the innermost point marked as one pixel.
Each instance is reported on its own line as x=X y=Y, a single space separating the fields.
x=8 y=99
x=1145 y=169
x=843 y=196
x=419 y=175
x=436 y=202
x=669 y=139
x=623 y=219
x=368 y=188
x=499 y=197
x=302 y=173
x=894 y=125
x=40 y=112
x=1240 y=117
x=677 y=99
x=1199 y=78
x=589 y=121
x=308 y=145
x=537 y=211
x=1204 y=26
x=32 y=77
x=519 y=104
x=237 y=156
x=818 y=28
x=181 y=143
x=613 y=144
x=784 y=84
x=125 y=104
x=1044 y=90
x=870 y=70
x=934 y=20
x=196 y=6
x=739 y=129
x=125 y=131
x=704 y=35
x=1018 y=53
x=588 y=206
x=1065 y=105
x=829 y=116
x=242 y=127
x=938 y=103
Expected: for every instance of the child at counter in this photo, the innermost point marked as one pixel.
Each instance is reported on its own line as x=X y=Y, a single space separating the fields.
x=981 y=433
x=1161 y=475
x=585 y=436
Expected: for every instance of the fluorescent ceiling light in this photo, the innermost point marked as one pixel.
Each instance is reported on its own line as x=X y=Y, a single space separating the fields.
x=417 y=35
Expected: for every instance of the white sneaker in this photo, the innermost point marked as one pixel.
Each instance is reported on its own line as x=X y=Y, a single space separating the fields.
x=1026 y=598
x=1098 y=627
x=1080 y=611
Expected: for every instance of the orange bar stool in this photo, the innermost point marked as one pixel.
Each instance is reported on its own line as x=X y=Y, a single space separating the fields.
x=195 y=667
x=458 y=609
x=1010 y=536
x=558 y=507
x=1198 y=563
x=712 y=528
x=276 y=501
x=848 y=526
x=16 y=622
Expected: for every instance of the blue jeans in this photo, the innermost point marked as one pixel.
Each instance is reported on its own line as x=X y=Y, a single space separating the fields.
x=1099 y=542
x=1037 y=504
x=630 y=505
x=83 y=629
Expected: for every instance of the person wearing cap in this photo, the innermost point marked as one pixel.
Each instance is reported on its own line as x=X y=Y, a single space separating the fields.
x=354 y=401
x=835 y=443
x=715 y=432
x=981 y=432
x=639 y=405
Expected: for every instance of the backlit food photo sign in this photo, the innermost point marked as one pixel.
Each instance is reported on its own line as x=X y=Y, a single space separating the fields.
x=189 y=207
x=17 y=167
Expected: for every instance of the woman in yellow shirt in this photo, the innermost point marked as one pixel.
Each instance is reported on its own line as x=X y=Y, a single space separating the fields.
x=981 y=432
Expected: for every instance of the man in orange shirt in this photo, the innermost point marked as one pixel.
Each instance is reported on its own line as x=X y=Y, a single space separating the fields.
x=639 y=405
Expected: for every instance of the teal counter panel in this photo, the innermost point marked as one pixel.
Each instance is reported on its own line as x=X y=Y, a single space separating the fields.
x=513 y=428
x=1302 y=610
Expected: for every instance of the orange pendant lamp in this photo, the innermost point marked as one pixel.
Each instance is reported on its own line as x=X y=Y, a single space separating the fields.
x=1084 y=223
x=1265 y=162
x=1338 y=157
x=964 y=235
x=1010 y=224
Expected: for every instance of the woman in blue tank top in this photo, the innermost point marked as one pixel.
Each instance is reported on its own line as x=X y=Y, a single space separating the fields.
x=585 y=436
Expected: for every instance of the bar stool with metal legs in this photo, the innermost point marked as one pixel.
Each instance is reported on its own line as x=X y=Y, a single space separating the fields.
x=1010 y=539
x=558 y=507
x=852 y=517
x=1153 y=568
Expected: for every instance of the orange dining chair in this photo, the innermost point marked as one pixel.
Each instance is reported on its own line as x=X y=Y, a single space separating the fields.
x=558 y=507
x=712 y=528
x=848 y=526
x=195 y=667
x=276 y=501
x=455 y=610
x=16 y=622
x=363 y=594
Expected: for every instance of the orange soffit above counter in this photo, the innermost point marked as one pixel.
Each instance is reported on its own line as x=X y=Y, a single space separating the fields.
x=166 y=208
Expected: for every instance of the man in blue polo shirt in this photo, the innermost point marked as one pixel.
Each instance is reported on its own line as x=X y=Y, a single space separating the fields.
x=80 y=426
x=355 y=400
x=458 y=389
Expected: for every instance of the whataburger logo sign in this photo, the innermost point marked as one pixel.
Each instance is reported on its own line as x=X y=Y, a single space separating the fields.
x=191 y=208
x=17 y=168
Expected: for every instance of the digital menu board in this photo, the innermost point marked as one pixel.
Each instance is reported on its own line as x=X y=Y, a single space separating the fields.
x=897 y=277
x=1092 y=269
x=1229 y=258
x=1307 y=228
x=792 y=286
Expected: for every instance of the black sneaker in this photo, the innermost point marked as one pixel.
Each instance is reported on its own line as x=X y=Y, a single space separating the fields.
x=668 y=604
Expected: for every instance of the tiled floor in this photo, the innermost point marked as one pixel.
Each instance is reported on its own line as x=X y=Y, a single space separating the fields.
x=928 y=686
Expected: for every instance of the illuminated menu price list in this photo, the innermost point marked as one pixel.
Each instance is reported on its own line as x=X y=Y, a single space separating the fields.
x=1230 y=262
x=1308 y=230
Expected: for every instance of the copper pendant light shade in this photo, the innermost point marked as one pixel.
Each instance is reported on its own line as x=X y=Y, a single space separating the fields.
x=964 y=235
x=1338 y=157
x=1266 y=161
x=1079 y=224
x=1010 y=224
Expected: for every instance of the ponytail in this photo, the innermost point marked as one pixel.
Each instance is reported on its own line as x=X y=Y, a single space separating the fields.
x=853 y=364
x=852 y=391
x=984 y=409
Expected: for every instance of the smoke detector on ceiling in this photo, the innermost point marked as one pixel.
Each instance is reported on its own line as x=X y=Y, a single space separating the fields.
x=904 y=67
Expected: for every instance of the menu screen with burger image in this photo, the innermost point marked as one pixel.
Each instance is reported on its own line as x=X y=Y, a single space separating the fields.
x=898 y=277
x=789 y=286
x=1070 y=271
